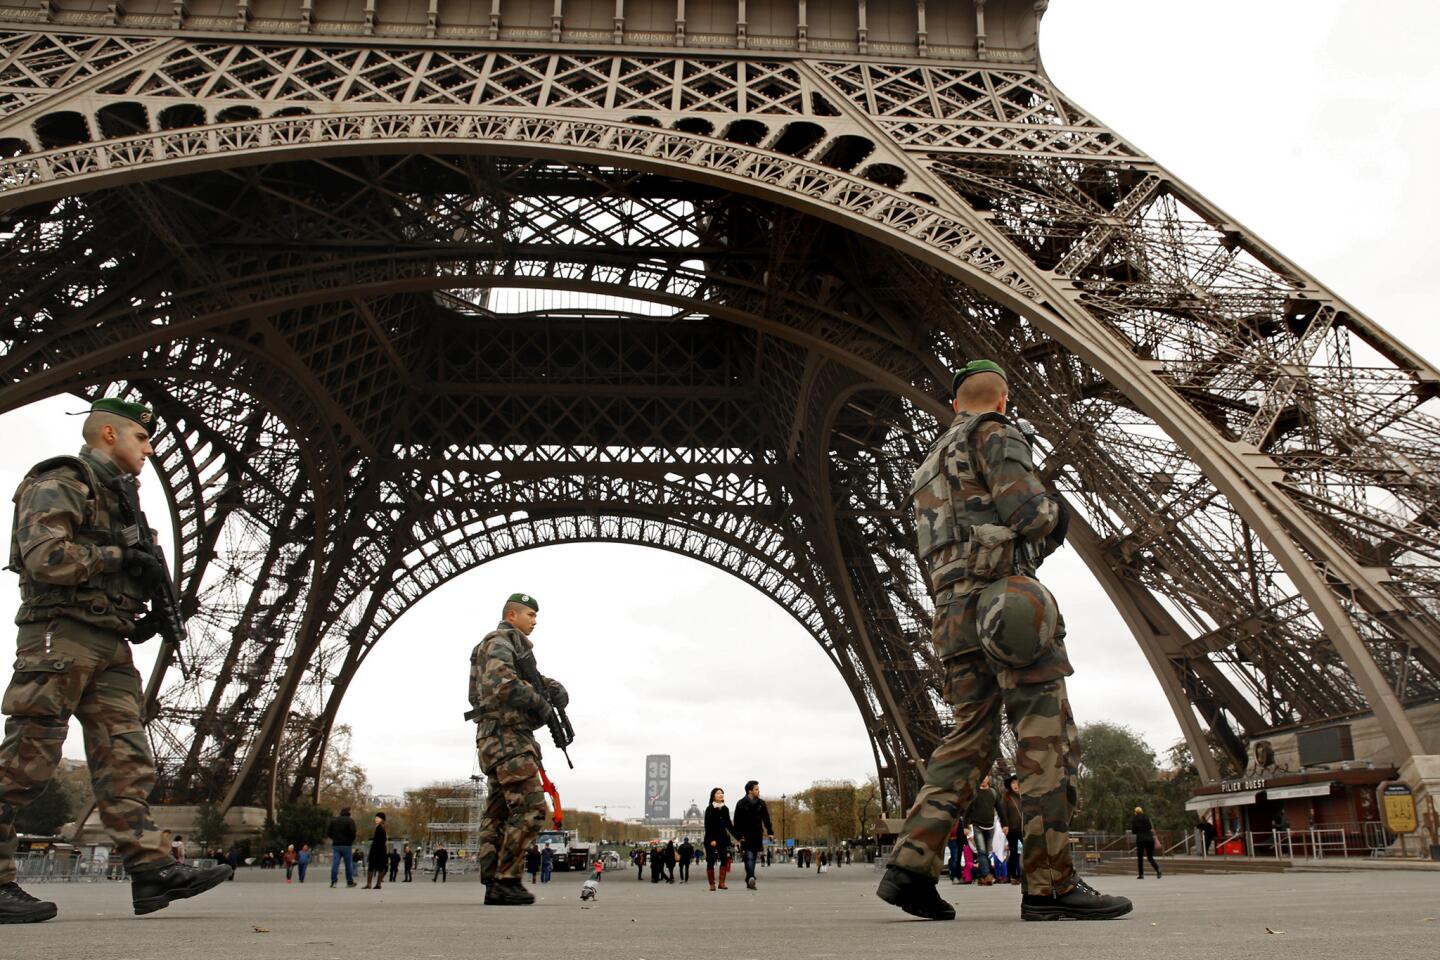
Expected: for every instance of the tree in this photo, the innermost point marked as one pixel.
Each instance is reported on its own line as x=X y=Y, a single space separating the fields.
x=1117 y=773
x=209 y=826
x=44 y=815
x=301 y=823
x=424 y=808
x=1178 y=783
x=793 y=816
x=833 y=802
x=870 y=803
x=343 y=782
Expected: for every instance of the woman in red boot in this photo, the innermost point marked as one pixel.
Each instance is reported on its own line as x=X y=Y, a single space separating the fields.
x=718 y=830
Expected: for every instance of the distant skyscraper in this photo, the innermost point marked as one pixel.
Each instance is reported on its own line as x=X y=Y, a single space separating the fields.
x=657 y=786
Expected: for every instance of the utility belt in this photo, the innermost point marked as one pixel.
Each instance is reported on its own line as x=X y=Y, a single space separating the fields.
x=103 y=589
x=95 y=608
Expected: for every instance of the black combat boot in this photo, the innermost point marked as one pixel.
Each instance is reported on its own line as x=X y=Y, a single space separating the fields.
x=154 y=886
x=914 y=894
x=508 y=893
x=1080 y=902
x=17 y=906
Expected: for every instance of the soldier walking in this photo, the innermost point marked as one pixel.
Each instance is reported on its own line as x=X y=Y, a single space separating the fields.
x=82 y=595
x=984 y=523
x=508 y=711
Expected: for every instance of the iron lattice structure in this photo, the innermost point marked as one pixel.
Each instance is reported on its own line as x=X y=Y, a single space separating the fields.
x=420 y=290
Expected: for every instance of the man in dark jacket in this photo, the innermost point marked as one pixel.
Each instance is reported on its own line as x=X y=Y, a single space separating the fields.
x=752 y=823
x=687 y=853
x=1144 y=842
x=442 y=856
x=409 y=863
x=341 y=835
x=394 y=863
x=670 y=856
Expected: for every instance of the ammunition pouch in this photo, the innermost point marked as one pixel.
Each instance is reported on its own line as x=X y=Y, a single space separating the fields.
x=991 y=553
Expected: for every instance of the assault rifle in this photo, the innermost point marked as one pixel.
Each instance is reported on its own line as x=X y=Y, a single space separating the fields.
x=559 y=723
x=560 y=730
x=164 y=601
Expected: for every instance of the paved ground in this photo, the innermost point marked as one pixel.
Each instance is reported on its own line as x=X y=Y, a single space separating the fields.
x=795 y=915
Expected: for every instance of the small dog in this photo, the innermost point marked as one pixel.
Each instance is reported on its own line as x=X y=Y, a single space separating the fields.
x=589 y=890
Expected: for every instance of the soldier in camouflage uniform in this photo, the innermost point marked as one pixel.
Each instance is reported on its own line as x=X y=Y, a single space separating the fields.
x=984 y=523
x=508 y=710
x=83 y=593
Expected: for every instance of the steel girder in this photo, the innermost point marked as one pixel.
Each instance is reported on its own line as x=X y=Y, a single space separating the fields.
x=304 y=241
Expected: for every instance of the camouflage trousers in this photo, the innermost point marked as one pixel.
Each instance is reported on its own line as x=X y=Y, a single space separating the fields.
x=1048 y=758
x=514 y=814
x=66 y=668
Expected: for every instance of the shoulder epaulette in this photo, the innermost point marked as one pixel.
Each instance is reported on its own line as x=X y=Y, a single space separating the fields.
x=70 y=461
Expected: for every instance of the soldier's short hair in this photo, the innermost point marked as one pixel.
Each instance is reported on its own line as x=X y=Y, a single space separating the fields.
x=982 y=389
x=99 y=420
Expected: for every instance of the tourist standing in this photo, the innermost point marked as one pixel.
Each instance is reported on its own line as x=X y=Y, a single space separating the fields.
x=719 y=829
x=409 y=863
x=82 y=595
x=953 y=847
x=341 y=834
x=981 y=816
x=1014 y=826
x=687 y=853
x=394 y=863
x=1144 y=842
x=532 y=863
x=984 y=523
x=547 y=863
x=375 y=864
x=752 y=826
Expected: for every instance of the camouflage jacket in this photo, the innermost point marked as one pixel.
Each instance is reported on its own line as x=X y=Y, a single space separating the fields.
x=981 y=513
x=67 y=543
x=508 y=707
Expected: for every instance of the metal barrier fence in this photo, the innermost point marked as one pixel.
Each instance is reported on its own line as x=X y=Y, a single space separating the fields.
x=76 y=867
x=1353 y=839
x=39 y=867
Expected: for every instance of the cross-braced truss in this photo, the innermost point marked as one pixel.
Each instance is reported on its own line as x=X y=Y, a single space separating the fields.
x=406 y=310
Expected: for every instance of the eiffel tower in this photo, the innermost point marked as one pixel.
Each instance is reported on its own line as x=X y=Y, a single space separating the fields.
x=417 y=285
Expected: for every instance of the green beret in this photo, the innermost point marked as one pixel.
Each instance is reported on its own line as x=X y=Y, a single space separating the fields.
x=972 y=368
x=124 y=408
x=526 y=599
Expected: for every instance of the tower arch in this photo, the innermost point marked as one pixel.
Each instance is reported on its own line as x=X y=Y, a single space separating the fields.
x=1248 y=451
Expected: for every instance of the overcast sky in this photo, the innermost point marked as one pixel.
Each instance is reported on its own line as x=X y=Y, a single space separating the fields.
x=1310 y=122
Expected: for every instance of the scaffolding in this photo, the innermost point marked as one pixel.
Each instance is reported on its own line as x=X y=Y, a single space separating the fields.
x=468 y=804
